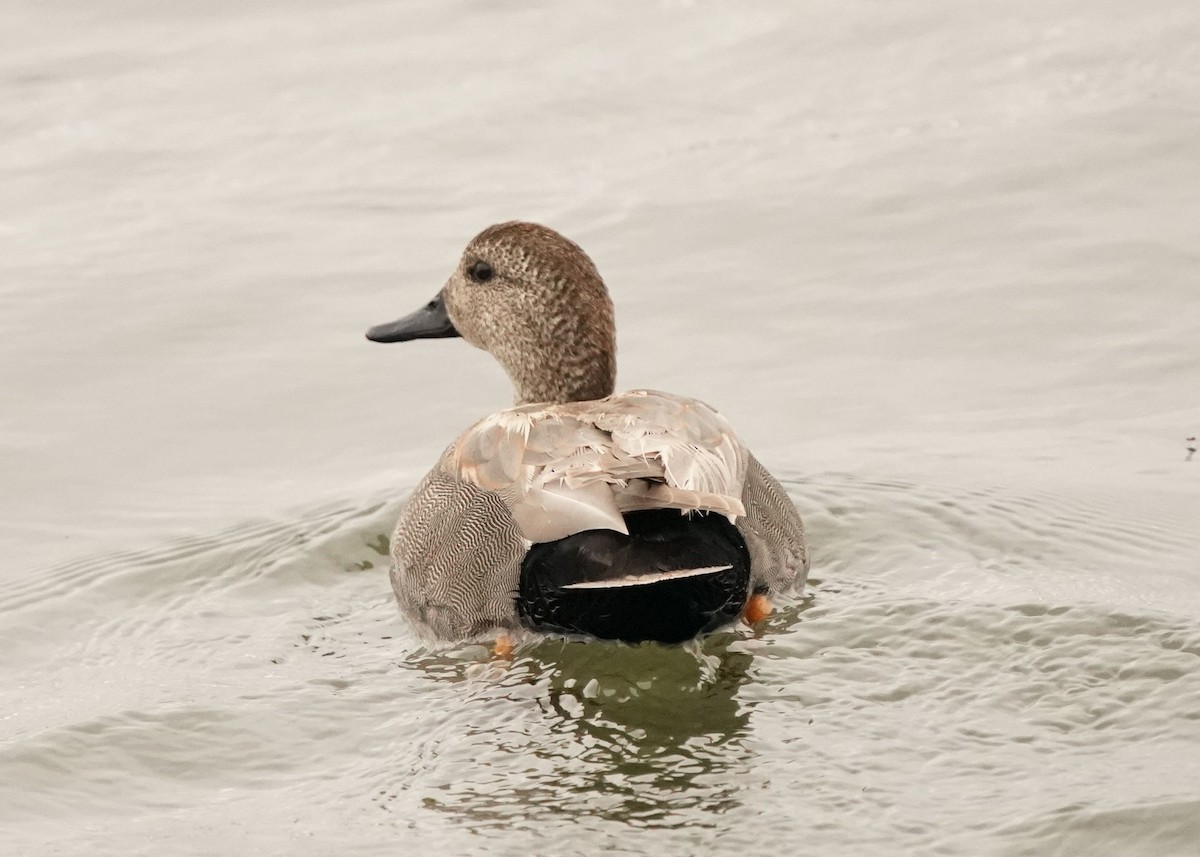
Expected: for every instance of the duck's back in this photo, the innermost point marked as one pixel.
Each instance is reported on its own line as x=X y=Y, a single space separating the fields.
x=541 y=474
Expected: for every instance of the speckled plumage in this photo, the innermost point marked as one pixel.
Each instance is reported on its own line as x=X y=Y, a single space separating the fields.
x=570 y=456
x=546 y=316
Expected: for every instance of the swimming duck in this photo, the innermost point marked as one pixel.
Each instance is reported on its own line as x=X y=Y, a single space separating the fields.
x=635 y=516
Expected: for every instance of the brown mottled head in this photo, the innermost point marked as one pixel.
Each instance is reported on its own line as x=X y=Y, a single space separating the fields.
x=534 y=301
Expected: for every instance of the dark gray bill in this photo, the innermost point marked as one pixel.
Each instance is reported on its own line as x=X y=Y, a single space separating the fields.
x=429 y=322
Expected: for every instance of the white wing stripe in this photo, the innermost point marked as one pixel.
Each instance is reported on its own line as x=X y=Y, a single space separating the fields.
x=643 y=579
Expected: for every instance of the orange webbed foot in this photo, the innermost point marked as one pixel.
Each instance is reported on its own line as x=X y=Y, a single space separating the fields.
x=759 y=607
x=503 y=646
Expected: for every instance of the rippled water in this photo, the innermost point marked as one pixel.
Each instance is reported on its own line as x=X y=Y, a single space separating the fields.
x=936 y=261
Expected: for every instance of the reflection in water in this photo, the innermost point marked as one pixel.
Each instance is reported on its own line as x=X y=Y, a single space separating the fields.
x=649 y=735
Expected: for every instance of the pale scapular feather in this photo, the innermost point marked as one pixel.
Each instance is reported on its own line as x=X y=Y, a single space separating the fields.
x=578 y=466
x=552 y=512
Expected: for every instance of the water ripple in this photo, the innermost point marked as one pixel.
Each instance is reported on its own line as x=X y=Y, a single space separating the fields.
x=961 y=677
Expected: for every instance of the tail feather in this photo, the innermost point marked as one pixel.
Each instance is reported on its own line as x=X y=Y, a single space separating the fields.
x=671 y=578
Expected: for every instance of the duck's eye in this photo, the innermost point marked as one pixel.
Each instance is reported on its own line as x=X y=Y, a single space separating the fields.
x=481 y=271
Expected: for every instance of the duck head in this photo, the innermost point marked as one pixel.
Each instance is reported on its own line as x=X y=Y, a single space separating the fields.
x=533 y=300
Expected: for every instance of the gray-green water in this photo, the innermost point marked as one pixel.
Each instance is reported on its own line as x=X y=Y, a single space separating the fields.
x=936 y=261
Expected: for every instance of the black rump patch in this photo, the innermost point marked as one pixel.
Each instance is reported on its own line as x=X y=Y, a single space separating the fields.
x=670 y=610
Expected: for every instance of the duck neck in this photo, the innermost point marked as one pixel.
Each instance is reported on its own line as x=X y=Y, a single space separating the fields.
x=563 y=348
x=571 y=369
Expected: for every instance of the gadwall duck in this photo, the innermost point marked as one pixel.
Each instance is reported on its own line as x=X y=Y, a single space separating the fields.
x=636 y=516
